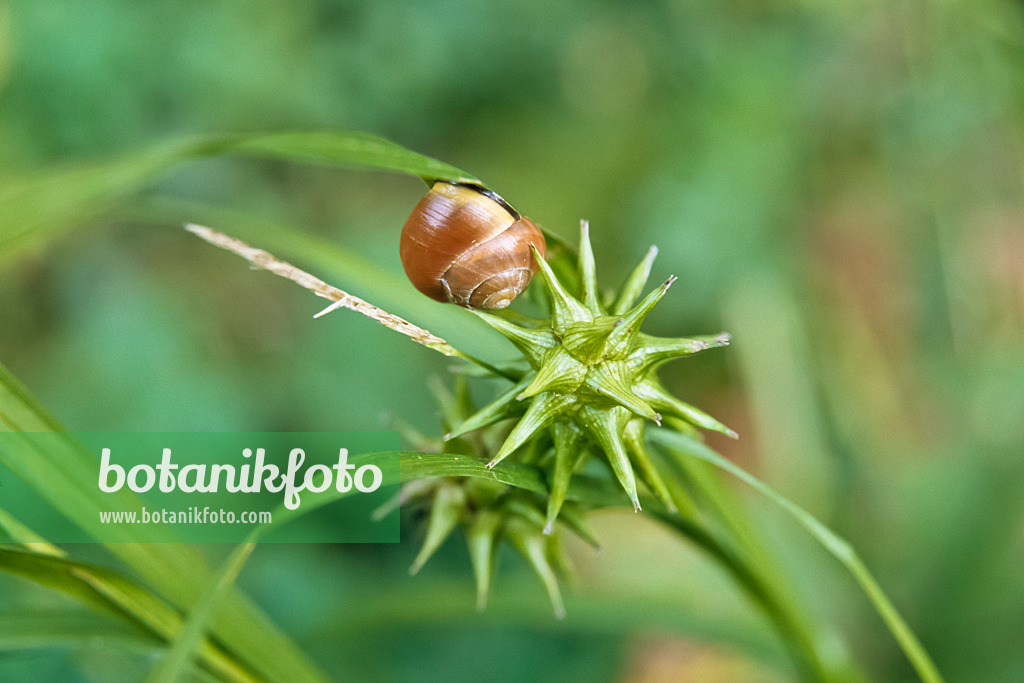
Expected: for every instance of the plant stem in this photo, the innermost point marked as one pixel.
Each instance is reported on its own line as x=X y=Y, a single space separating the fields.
x=792 y=629
x=339 y=297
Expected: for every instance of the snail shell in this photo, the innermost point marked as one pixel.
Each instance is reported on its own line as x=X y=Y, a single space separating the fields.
x=464 y=244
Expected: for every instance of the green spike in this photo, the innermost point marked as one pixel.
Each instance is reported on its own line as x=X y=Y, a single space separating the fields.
x=621 y=339
x=559 y=560
x=609 y=379
x=566 y=308
x=567 y=453
x=607 y=426
x=573 y=518
x=445 y=512
x=532 y=545
x=634 y=438
x=443 y=397
x=635 y=283
x=665 y=401
x=531 y=343
x=412 y=436
x=480 y=536
x=558 y=372
x=456 y=405
x=534 y=449
x=684 y=503
x=587 y=270
x=495 y=411
x=652 y=351
x=417 y=488
x=541 y=412
x=586 y=341
x=520 y=506
x=463 y=402
x=680 y=425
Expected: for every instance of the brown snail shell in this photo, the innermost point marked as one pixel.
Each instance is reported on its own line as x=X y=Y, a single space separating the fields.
x=464 y=244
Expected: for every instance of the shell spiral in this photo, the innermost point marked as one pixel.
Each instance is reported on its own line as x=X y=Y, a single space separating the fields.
x=465 y=245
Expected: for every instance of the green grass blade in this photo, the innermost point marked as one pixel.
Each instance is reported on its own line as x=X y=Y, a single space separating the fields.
x=838 y=547
x=191 y=637
x=18 y=533
x=19 y=409
x=115 y=595
x=76 y=628
x=347 y=148
x=23 y=630
x=175 y=571
x=38 y=207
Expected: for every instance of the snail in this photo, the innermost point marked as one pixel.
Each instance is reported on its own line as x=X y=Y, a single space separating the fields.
x=464 y=244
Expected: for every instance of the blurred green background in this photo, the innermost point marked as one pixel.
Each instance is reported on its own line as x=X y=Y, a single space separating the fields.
x=839 y=187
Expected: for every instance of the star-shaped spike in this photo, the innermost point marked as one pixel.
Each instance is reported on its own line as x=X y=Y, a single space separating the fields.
x=558 y=372
x=606 y=426
x=543 y=409
x=622 y=338
x=653 y=392
x=445 y=513
x=653 y=351
x=480 y=541
x=610 y=380
x=567 y=309
x=590 y=387
x=636 y=446
x=588 y=271
x=568 y=439
x=635 y=283
x=497 y=410
x=532 y=343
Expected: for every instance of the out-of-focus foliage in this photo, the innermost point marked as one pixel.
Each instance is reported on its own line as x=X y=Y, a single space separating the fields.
x=837 y=186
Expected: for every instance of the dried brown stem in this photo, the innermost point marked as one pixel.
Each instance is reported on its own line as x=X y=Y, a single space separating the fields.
x=341 y=299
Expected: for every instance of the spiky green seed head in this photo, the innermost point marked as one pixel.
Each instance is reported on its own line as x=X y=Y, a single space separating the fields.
x=491 y=513
x=594 y=370
x=590 y=390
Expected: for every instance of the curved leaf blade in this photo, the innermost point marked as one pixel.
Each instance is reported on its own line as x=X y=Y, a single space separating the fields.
x=191 y=639
x=347 y=148
x=116 y=596
x=176 y=572
x=34 y=207
x=681 y=445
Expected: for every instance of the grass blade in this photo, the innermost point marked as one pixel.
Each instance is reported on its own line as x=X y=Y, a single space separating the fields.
x=38 y=207
x=190 y=639
x=838 y=547
x=35 y=208
x=347 y=148
x=114 y=595
x=23 y=630
x=173 y=570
